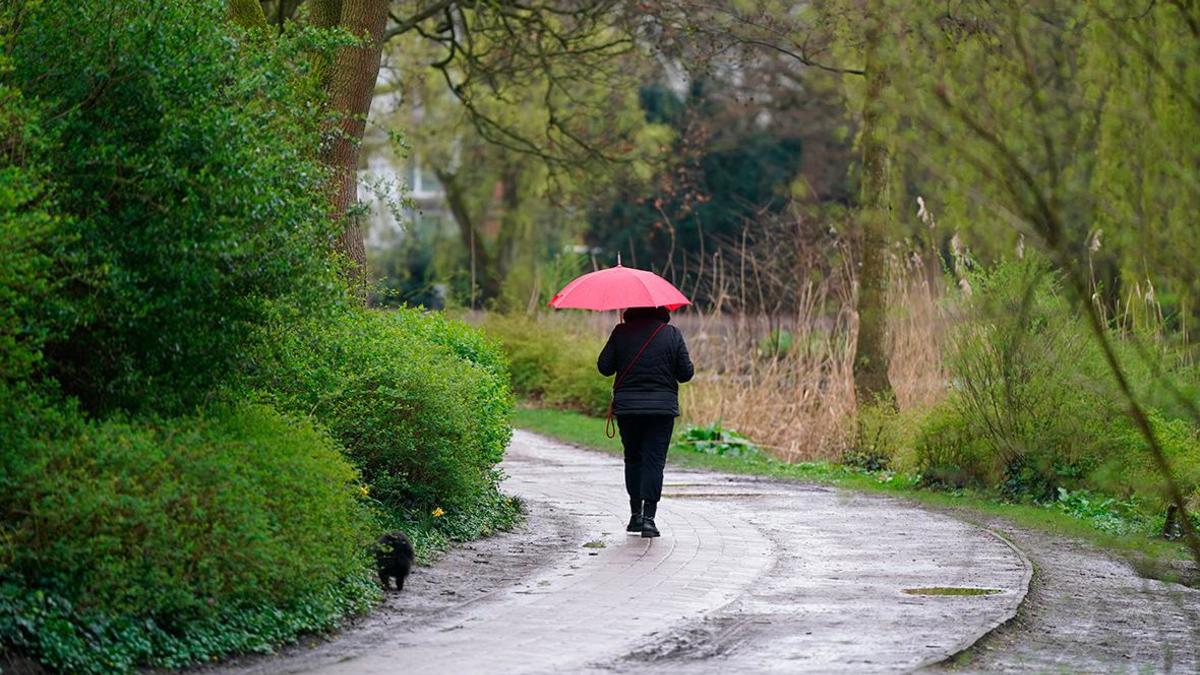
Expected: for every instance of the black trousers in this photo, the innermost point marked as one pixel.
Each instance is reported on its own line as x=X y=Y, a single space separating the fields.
x=646 y=438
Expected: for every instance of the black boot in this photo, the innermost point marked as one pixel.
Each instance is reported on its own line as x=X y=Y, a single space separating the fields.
x=635 y=524
x=648 y=528
x=649 y=510
x=635 y=521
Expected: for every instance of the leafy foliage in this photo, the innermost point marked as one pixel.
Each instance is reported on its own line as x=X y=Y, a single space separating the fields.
x=163 y=130
x=883 y=436
x=1104 y=513
x=162 y=214
x=1069 y=105
x=714 y=439
x=722 y=173
x=173 y=541
x=421 y=404
x=1032 y=412
x=1129 y=474
x=1027 y=382
x=31 y=237
x=552 y=365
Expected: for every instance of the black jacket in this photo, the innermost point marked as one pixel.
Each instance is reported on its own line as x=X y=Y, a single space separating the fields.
x=652 y=386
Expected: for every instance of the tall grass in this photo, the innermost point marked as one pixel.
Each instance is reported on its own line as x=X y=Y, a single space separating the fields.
x=787 y=380
x=774 y=356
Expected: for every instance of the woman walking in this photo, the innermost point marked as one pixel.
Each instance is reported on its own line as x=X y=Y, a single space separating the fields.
x=650 y=359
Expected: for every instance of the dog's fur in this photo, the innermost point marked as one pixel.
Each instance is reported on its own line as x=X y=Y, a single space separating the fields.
x=393 y=558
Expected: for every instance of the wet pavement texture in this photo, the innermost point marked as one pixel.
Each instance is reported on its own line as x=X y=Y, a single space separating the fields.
x=750 y=575
x=1088 y=612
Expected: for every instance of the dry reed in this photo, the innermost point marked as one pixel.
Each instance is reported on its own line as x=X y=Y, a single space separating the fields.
x=799 y=405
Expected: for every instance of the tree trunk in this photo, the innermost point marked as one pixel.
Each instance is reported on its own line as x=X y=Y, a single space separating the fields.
x=247 y=14
x=481 y=262
x=512 y=225
x=870 y=355
x=350 y=84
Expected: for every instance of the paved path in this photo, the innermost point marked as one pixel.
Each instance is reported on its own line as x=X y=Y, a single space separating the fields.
x=1088 y=612
x=749 y=576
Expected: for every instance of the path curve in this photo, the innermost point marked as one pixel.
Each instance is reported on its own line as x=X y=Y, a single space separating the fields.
x=1088 y=611
x=751 y=575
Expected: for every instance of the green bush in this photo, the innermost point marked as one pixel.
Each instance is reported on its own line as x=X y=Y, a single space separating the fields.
x=1133 y=473
x=420 y=404
x=27 y=283
x=31 y=236
x=173 y=542
x=1032 y=410
x=183 y=164
x=951 y=452
x=163 y=220
x=551 y=365
x=1030 y=406
x=884 y=437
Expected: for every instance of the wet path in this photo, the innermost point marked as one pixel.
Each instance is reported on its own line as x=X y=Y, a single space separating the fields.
x=749 y=576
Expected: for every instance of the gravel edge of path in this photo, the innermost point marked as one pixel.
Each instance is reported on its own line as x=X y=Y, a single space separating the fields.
x=1150 y=625
x=545 y=530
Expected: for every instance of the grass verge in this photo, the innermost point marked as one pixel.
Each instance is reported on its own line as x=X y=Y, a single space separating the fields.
x=1153 y=556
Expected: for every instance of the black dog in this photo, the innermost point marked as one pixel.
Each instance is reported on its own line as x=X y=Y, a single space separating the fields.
x=393 y=558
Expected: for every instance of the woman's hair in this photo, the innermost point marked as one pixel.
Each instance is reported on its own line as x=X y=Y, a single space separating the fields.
x=635 y=313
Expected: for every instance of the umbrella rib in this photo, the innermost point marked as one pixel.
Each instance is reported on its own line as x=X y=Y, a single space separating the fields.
x=649 y=293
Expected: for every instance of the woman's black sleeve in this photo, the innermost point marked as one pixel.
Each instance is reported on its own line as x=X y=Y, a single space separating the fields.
x=684 y=370
x=607 y=362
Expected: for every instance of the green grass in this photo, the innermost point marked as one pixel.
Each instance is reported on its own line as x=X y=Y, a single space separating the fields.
x=970 y=505
x=588 y=432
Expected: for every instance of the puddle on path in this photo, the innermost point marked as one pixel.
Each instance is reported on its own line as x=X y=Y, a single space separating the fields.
x=951 y=590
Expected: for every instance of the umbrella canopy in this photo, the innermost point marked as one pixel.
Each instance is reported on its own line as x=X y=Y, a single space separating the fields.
x=619 y=288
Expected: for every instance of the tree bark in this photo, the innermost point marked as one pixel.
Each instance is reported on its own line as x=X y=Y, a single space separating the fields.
x=512 y=225
x=325 y=13
x=870 y=355
x=247 y=14
x=483 y=281
x=350 y=83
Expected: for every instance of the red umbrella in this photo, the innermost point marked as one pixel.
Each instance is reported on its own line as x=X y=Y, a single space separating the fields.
x=619 y=288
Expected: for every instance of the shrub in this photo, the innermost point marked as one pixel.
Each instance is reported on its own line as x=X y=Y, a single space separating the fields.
x=27 y=282
x=1131 y=472
x=420 y=404
x=552 y=365
x=884 y=437
x=1030 y=408
x=172 y=542
x=951 y=452
x=31 y=237
x=184 y=168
